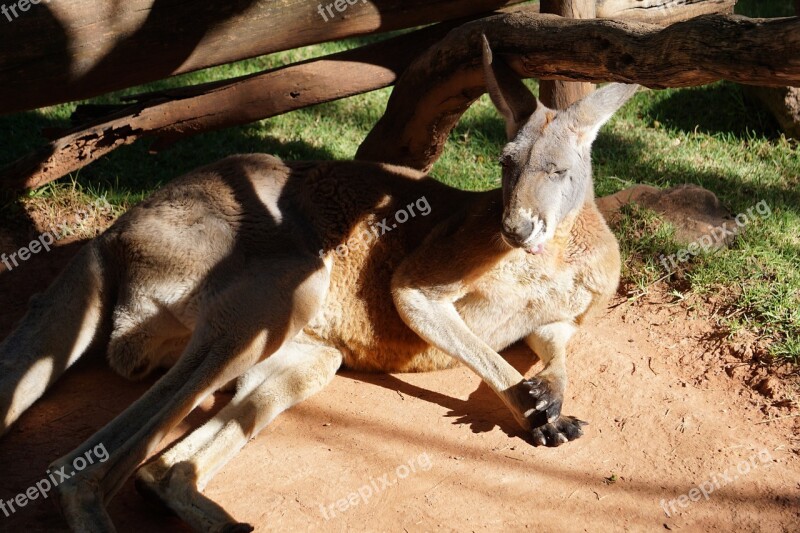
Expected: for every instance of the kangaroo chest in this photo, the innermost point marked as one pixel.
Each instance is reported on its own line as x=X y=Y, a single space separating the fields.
x=515 y=297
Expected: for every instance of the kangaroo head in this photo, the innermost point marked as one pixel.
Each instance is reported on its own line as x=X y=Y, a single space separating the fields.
x=547 y=173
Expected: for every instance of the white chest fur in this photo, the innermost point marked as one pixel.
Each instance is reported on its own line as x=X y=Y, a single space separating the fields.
x=515 y=297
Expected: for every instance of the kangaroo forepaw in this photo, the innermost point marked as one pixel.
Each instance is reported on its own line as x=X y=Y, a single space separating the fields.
x=548 y=396
x=175 y=490
x=238 y=528
x=564 y=429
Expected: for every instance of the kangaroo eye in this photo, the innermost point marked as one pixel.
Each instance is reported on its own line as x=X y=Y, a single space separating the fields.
x=559 y=174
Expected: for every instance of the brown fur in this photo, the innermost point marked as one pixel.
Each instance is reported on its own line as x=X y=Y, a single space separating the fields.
x=250 y=271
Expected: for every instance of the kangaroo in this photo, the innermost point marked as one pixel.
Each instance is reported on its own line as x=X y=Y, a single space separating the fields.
x=257 y=273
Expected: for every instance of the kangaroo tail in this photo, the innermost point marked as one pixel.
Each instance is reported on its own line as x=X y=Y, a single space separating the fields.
x=58 y=328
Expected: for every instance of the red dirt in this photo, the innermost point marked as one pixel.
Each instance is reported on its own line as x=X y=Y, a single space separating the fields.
x=650 y=377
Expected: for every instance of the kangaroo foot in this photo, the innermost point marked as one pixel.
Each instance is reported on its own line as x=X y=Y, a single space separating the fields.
x=564 y=429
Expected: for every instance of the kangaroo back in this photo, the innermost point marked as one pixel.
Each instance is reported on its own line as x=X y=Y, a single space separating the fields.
x=58 y=328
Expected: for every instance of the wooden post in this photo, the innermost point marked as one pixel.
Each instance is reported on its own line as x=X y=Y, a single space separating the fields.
x=661 y=11
x=558 y=94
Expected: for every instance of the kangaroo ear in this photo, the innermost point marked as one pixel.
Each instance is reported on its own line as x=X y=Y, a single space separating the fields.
x=509 y=95
x=590 y=113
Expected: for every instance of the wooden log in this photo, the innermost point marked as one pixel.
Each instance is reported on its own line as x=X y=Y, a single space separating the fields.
x=590 y=48
x=90 y=47
x=661 y=11
x=218 y=105
x=558 y=94
x=439 y=86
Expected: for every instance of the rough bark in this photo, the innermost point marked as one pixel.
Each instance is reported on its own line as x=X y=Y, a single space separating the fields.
x=557 y=94
x=439 y=86
x=444 y=81
x=662 y=11
x=90 y=47
x=169 y=115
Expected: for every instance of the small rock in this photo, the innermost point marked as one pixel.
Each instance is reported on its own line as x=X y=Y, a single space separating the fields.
x=694 y=211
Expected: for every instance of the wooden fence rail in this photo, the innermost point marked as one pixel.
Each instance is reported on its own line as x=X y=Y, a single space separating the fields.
x=59 y=52
x=441 y=84
x=85 y=48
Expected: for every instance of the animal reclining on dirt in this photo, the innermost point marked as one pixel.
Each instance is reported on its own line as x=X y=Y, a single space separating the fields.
x=251 y=272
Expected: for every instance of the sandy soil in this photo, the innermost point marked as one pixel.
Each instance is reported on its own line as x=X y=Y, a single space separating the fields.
x=667 y=404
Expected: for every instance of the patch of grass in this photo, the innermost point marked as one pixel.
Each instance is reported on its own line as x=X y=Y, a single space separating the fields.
x=74 y=210
x=765 y=8
x=711 y=136
x=647 y=237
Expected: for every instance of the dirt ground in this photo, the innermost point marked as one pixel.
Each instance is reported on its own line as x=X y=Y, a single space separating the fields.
x=666 y=398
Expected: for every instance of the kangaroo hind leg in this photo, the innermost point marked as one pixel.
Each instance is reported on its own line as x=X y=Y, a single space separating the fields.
x=244 y=319
x=58 y=329
x=145 y=336
x=177 y=477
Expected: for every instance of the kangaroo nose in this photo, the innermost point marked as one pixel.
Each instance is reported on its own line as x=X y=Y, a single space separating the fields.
x=517 y=231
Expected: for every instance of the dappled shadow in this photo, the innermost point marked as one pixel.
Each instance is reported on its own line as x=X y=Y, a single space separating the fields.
x=132 y=170
x=719 y=108
x=268 y=259
x=86 y=399
x=149 y=39
x=482 y=410
x=93 y=395
x=19 y=52
x=34 y=275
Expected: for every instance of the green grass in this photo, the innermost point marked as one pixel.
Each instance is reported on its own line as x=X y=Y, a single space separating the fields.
x=765 y=8
x=711 y=136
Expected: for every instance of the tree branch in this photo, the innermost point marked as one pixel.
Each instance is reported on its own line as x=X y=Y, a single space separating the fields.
x=90 y=47
x=441 y=84
x=218 y=105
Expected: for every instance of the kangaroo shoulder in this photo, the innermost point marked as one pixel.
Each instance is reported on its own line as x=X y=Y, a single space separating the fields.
x=597 y=249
